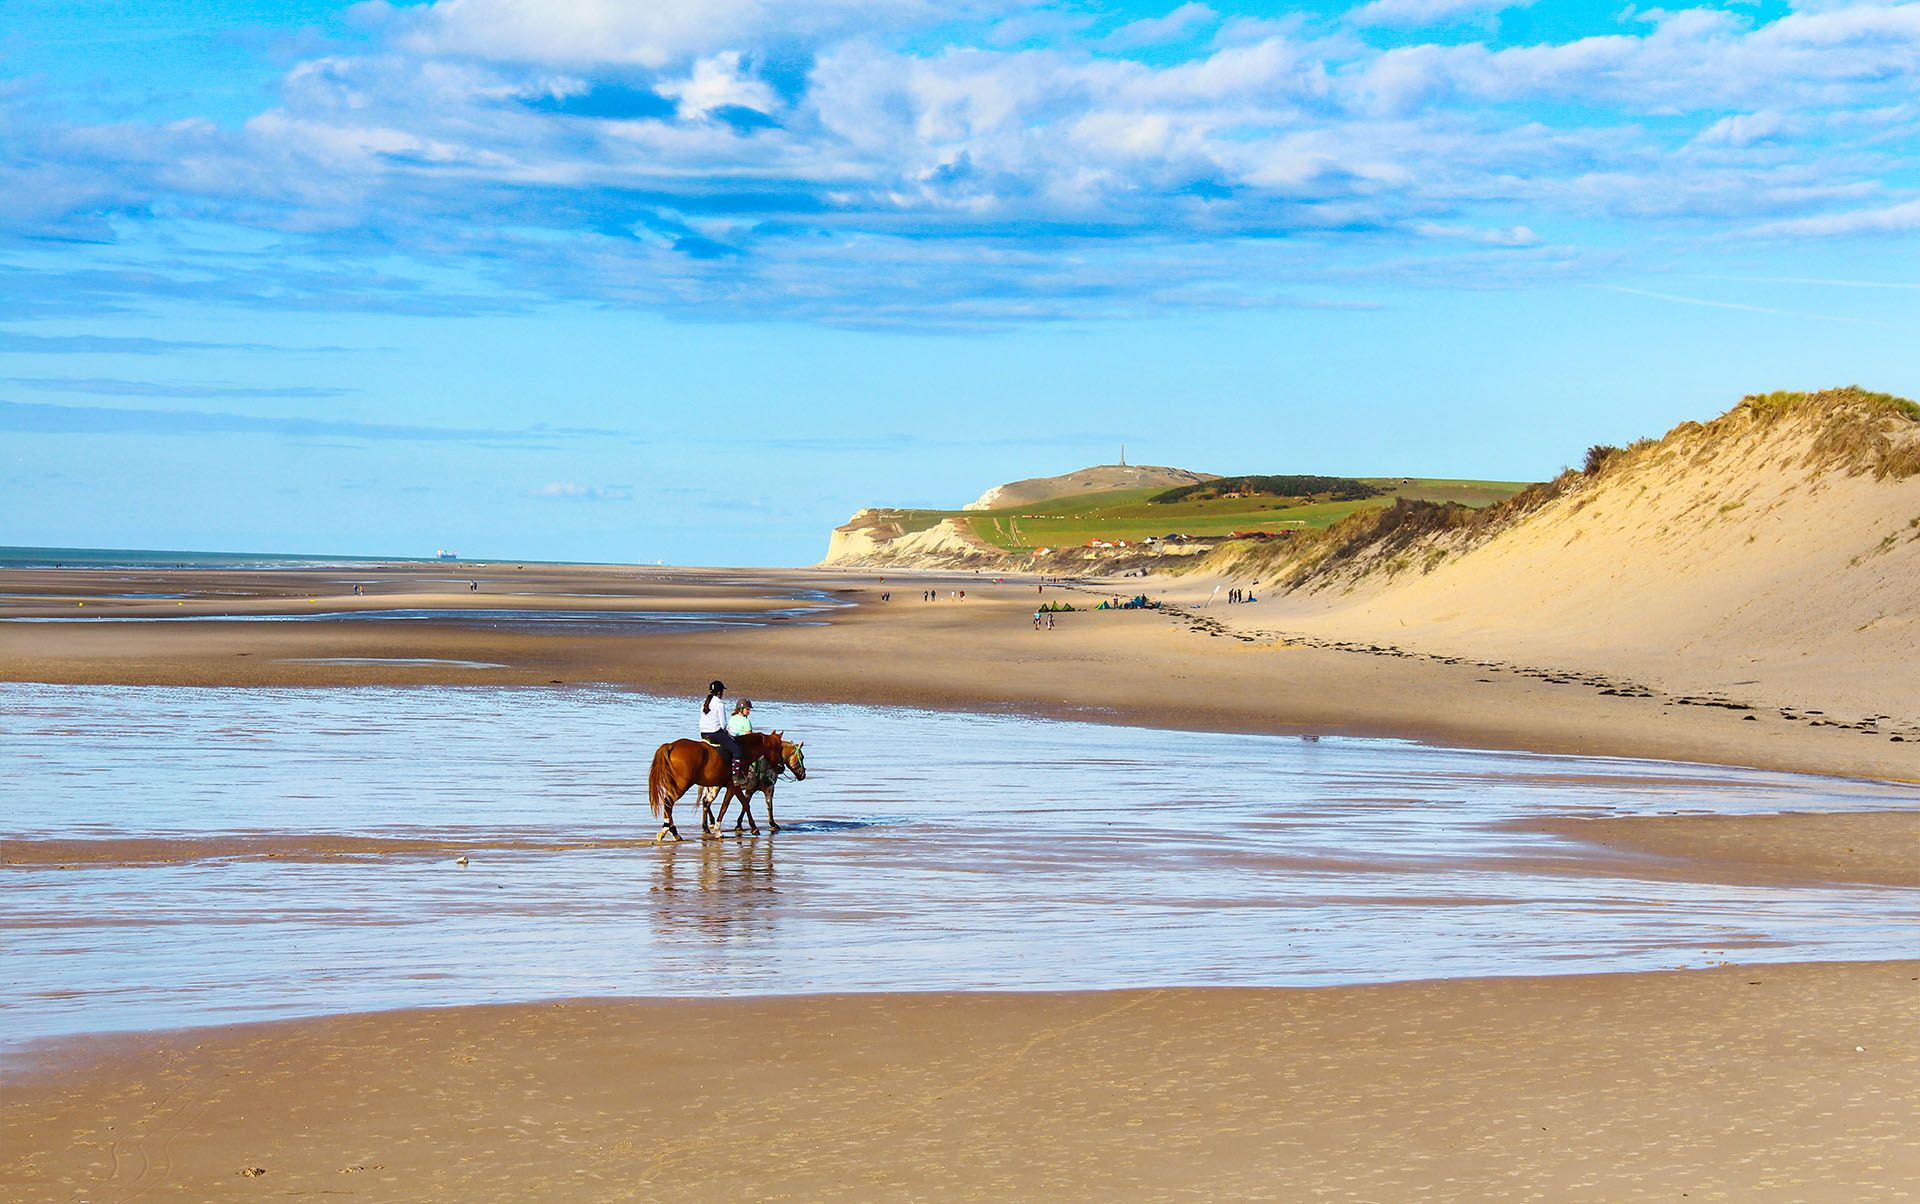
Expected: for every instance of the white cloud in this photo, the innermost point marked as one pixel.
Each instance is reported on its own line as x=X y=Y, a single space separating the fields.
x=647 y=33
x=720 y=82
x=945 y=174
x=1185 y=21
x=1415 y=13
x=1902 y=218
x=1746 y=129
x=574 y=491
x=1502 y=236
x=1692 y=59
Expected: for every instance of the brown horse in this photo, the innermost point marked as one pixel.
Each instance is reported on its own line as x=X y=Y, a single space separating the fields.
x=791 y=758
x=683 y=764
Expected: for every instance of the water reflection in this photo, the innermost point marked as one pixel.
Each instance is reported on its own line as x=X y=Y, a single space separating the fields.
x=723 y=887
x=924 y=851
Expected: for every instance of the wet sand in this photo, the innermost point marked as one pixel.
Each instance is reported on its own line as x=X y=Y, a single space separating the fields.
x=1785 y=1083
x=1881 y=849
x=1149 y=668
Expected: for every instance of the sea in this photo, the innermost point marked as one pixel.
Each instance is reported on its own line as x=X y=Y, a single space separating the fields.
x=154 y=558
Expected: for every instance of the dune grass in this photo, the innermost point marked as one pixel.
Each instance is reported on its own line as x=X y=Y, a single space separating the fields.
x=1131 y=515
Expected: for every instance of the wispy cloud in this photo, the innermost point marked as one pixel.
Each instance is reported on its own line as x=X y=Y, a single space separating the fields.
x=574 y=491
x=1822 y=282
x=101 y=386
x=1183 y=22
x=20 y=342
x=1678 y=299
x=1413 y=13
x=35 y=418
x=1901 y=218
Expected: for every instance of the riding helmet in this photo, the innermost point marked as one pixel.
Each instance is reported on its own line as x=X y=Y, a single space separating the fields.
x=717 y=687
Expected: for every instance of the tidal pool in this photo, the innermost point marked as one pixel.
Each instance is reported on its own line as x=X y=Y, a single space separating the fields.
x=927 y=851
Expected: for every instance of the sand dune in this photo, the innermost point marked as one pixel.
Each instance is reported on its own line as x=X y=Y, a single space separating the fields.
x=1771 y=556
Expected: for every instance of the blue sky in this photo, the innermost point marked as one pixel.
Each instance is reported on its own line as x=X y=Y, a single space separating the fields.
x=693 y=280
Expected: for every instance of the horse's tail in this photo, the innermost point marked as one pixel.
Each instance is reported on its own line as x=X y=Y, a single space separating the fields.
x=657 y=787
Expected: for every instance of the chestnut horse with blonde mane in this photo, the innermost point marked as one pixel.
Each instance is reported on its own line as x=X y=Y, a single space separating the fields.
x=792 y=760
x=681 y=765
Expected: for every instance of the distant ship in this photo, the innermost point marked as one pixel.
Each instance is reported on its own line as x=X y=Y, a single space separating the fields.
x=445 y=554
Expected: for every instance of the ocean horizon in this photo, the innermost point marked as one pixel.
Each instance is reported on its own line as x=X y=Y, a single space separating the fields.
x=160 y=558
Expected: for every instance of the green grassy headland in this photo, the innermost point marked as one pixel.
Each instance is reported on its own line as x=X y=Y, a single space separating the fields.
x=1129 y=514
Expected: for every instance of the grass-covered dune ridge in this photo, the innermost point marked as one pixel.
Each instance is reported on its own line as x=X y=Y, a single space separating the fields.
x=1849 y=431
x=1056 y=534
x=1333 y=489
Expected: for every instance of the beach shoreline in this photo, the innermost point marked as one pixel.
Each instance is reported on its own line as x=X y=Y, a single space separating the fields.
x=1175 y=669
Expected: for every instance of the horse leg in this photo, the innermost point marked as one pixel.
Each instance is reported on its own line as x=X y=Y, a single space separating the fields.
x=746 y=804
x=708 y=825
x=771 y=825
x=746 y=815
x=720 y=820
x=666 y=822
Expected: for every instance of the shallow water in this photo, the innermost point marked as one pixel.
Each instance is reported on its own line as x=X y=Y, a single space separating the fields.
x=415 y=661
x=549 y=621
x=927 y=851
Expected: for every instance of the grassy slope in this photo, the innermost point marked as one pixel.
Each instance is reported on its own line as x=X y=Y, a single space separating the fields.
x=1126 y=513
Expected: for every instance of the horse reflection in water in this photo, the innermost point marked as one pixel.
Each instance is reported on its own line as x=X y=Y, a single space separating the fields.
x=724 y=890
x=683 y=764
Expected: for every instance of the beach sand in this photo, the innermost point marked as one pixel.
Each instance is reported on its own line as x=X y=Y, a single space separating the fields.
x=1787 y=1083
x=1770 y=1083
x=1149 y=668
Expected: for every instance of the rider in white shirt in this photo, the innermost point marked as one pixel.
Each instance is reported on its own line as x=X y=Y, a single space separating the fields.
x=713 y=725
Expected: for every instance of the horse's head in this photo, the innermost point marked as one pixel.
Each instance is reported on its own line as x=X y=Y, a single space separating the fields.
x=794 y=757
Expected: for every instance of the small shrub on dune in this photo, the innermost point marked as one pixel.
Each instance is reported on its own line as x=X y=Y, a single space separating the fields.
x=1864 y=432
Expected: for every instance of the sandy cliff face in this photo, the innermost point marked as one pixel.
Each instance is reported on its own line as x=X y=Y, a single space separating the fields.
x=1772 y=552
x=876 y=538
